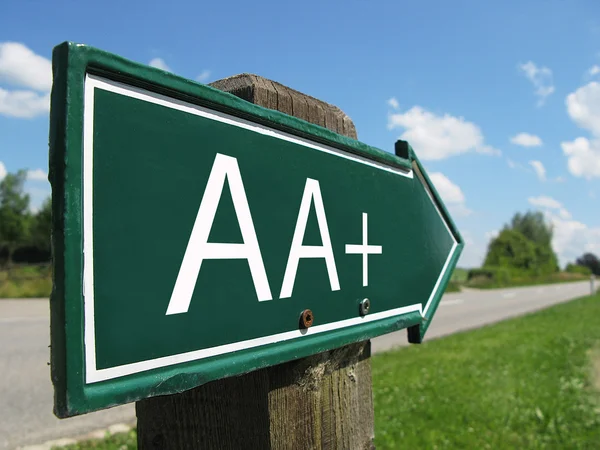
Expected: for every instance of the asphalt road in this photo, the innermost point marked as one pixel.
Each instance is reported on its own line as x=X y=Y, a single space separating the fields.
x=26 y=391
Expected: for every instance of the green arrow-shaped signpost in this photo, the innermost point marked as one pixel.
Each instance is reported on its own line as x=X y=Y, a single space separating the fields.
x=198 y=236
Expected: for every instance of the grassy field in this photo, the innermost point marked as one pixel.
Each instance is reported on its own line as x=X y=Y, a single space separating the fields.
x=26 y=282
x=119 y=441
x=527 y=383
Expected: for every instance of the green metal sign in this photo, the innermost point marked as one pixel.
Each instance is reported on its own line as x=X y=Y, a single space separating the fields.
x=197 y=236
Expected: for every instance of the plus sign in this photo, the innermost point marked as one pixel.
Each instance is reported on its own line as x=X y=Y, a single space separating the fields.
x=364 y=249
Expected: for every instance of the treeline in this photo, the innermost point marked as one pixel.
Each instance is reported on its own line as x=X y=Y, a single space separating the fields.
x=523 y=252
x=24 y=235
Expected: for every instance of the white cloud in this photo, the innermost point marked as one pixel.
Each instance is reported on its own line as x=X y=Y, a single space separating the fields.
x=489 y=235
x=451 y=194
x=23 y=104
x=438 y=137
x=571 y=238
x=473 y=252
x=204 y=76
x=37 y=175
x=526 y=140
x=393 y=102
x=20 y=66
x=545 y=202
x=159 y=63
x=541 y=78
x=2 y=170
x=583 y=157
x=449 y=191
x=594 y=70
x=550 y=203
x=583 y=106
x=539 y=168
x=564 y=214
x=37 y=194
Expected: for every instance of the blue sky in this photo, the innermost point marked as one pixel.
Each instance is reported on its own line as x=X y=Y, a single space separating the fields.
x=500 y=99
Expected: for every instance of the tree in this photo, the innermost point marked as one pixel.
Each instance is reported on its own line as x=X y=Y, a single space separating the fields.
x=546 y=260
x=533 y=226
x=590 y=260
x=42 y=225
x=511 y=249
x=14 y=212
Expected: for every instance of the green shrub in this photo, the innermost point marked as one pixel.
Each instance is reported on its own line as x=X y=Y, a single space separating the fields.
x=489 y=275
x=576 y=268
x=546 y=260
x=511 y=249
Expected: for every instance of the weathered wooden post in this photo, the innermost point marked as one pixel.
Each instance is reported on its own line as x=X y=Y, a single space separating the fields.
x=319 y=402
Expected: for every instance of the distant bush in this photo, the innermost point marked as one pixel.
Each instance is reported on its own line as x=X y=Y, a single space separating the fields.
x=496 y=277
x=40 y=288
x=590 y=260
x=489 y=275
x=25 y=281
x=576 y=268
x=453 y=286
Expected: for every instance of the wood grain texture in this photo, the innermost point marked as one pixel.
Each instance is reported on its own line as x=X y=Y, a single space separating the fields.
x=320 y=402
x=273 y=95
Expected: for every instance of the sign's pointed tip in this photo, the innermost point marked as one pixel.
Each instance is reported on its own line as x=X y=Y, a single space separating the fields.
x=402 y=150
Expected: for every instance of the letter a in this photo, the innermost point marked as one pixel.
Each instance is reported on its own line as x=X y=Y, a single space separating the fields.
x=297 y=251
x=198 y=248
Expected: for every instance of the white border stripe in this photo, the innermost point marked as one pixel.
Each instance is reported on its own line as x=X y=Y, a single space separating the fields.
x=128 y=369
x=158 y=99
x=454 y=245
x=88 y=227
x=95 y=375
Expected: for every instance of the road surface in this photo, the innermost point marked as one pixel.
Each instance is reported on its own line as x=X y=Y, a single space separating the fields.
x=26 y=391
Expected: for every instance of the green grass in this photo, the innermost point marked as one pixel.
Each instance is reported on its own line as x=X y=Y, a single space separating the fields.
x=458 y=279
x=26 y=282
x=526 y=383
x=521 y=384
x=119 y=441
x=460 y=275
x=452 y=286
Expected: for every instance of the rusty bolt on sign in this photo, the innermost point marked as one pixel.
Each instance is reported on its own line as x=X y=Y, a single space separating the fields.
x=306 y=318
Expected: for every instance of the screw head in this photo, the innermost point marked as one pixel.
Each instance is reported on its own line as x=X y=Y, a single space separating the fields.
x=306 y=318
x=364 y=307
